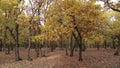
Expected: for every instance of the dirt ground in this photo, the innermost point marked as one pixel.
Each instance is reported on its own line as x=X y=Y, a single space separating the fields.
x=92 y=58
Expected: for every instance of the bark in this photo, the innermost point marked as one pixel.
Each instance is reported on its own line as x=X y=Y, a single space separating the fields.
x=84 y=47
x=105 y=44
x=61 y=43
x=98 y=47
x=52 y=47
x=37 y=49
x=8 y=49
x=29 y=45
x=79 y=39
x=17 y=56
x=71 y=46
x=113 y=44
x=117 y=53
x=66 y=50
x=5 y=37
x=0 y=45
x=80 y=50
x=80 y=46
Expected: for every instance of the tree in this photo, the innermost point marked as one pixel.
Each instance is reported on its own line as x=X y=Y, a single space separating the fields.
x=12 y=10
x=80 y=21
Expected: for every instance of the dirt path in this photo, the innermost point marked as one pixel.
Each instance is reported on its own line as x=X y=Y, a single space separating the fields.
x=92 y=59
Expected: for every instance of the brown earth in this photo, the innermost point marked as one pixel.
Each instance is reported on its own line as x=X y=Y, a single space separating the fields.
x=92 y=58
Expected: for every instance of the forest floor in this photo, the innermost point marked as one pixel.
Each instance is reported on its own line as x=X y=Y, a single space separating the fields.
x=92 y=58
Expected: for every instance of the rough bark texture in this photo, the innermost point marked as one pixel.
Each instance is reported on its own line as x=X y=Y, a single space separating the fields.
x=17 y=56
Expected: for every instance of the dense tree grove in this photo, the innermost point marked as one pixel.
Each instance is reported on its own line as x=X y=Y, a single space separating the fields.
x=45 y=25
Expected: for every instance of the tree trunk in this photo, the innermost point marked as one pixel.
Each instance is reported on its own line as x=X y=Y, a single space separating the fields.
x=37 y=49
x=118 y=48
x=80 y=45
x=113 y=43
x=7 y=49
x=5 y=37
x=71 y=46
x=61 y=43
x=52 y=47
x=0 y=45
x=80 y=50
x=84 y=47
x=29 y=45
x=98 y=46
x=66 y=50
x=105 y=44
x=17 y=57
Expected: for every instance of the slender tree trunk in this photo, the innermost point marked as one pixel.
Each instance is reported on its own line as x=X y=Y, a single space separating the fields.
x=61 y=43
x=84 y=47
x=29 y=45
x=0 y=45
x=5 y=37
x=113 y=43
x=37 y=49
x=105 y=44
x=98 y=47
x=7 y=49
x=66 y=50
x=71 y=46
x=80 y=50
x=118 y=48
x=17 y=56
x=80 y=45
x=52 y=47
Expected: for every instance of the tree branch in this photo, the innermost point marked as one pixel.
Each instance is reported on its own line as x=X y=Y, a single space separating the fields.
x=114 y=9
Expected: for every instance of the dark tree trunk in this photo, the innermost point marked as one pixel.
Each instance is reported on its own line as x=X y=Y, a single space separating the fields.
x=9 y=49
x=83 y=46
x=6 y=48
x=17 y=56
x=52 y=47
x=66 y=50
x=71 y=46
x=80 y=45
x=118 y=48
x=29 y=45
x=0 y=45
x=61 y=43
x=105 y=44
x=37 y=49
x=113 y=44
x=5 y=37
x=80 y=50
x=98 y=47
